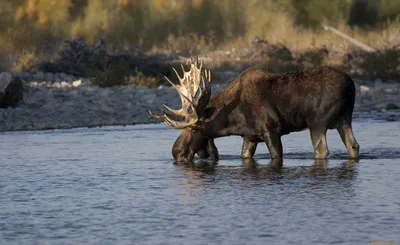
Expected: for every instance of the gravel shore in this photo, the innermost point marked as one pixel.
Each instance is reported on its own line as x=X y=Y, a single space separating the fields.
x=58 y=101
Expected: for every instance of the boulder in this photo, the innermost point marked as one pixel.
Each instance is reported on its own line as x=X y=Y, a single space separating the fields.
x=11 y=92
x=392 y=106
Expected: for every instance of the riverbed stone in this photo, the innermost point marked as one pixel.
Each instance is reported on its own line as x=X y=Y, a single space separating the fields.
x=39 y=76
x=63 y=104
x=392 y=106
x=63 y=76
x=49 y=77
x=389 y=90
x=364 y=89
x=77 y=83
x=11 y=93
x=5 y=78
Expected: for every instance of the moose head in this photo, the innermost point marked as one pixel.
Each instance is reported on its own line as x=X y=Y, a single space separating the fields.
x=195 y=92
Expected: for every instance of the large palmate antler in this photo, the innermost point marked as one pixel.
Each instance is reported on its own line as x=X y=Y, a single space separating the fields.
x=195 y=92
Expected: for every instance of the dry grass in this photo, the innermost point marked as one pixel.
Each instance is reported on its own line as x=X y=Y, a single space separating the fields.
x=166 y=23
x=35 y=28
x=120 y=74
x=25 y=61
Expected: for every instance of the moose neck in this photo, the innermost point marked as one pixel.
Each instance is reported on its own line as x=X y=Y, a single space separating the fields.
x=225 y=104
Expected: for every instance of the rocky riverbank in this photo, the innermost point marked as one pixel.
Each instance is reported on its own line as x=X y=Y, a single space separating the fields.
x=56 y=101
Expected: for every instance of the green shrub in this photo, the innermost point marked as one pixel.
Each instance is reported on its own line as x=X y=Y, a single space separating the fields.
x=141 y=80
x=111 y=76
x=4 y=61
x=120 y=74
x=314 y=12
x=26 y=60
x=384 y=64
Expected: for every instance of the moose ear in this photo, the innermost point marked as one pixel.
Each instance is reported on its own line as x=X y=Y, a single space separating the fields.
x=210 y=111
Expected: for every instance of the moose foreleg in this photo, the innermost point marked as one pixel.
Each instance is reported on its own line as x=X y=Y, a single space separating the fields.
x=210 y=152
x=274 y=144
x=248 y=148
x=318 y=138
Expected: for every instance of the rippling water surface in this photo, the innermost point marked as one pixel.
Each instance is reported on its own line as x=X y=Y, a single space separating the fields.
x=118 y=185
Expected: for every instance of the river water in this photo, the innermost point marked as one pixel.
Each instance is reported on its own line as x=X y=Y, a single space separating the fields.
x=119 y=185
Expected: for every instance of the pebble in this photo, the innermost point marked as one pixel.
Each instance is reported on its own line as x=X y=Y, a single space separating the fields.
x=364 y=89
x=77 y=83
x=389 y=91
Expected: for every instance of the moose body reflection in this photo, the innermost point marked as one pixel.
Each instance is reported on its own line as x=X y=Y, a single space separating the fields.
x=261 y=107
x=252 y=172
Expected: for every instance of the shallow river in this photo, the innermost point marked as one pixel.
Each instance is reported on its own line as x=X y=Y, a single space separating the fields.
x=119 y=185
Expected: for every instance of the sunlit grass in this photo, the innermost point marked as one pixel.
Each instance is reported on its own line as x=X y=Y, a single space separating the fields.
x=192 y=27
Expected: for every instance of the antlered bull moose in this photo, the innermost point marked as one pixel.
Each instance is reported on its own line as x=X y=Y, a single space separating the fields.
x=261 y=106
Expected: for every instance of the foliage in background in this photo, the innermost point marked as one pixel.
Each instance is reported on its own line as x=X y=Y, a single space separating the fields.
x=140 y=80
x=26 y=60
x=149 y=23
x=38 y=27
x=120 y=74
x=384 y=64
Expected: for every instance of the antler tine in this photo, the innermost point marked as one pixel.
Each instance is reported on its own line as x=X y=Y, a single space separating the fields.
x=172 y=123
x=162 y=117
x=183 y=68
x=202 y=95
x=201 y=64
x=180 y=93
x=200 y=90
x=155 y=115
x=195 y=92
x=177 y=74
x=175 y=125
x=208 y=75
x=201 y=86
x=179 y=112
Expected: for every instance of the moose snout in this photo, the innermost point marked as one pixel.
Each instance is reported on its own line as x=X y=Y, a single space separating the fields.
x=183 y=156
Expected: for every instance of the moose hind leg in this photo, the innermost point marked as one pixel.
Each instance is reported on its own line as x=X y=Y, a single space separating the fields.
x=248 y=148
x=346 y=133
x=318 y=138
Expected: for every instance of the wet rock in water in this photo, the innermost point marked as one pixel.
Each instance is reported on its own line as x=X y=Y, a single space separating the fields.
x=392 y=118
x=11 y=92
x=392 y=106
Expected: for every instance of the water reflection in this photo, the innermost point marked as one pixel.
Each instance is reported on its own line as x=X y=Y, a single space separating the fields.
x=123 y=189
x=272 y=173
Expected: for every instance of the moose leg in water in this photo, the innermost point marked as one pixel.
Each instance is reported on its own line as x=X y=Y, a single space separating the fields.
x=346 y=133
x=210 y=151
x=274 y=144
x=248 y=148
x=318 y=139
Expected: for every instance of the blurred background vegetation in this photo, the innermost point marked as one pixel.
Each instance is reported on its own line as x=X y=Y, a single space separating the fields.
x=30 y=29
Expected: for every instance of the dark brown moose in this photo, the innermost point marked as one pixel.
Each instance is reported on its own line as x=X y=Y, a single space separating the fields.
x=261 y=106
